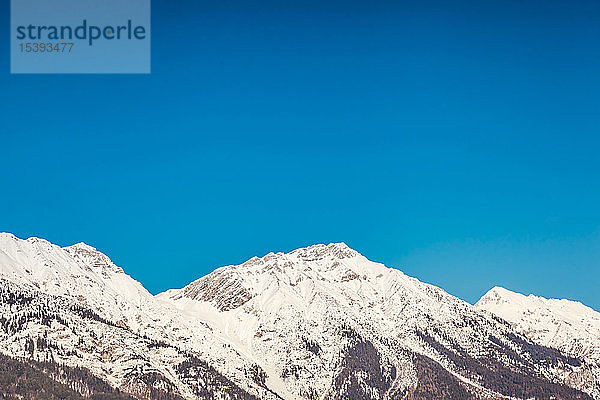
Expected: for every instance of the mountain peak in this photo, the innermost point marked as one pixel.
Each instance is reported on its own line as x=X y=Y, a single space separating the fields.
x=9 y=240
x=327 y=253
x=7 y=236
x=497 y=293
x=81 y=246
x=568 y=325
x=318 y=251
x=321 y=321
x=333 y=264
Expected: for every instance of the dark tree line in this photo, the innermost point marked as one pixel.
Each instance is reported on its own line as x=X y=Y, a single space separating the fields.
x=31 y=380
x=522 y=381
x=206 y=381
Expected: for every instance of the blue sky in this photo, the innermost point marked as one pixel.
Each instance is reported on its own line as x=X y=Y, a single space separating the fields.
x=458 y=142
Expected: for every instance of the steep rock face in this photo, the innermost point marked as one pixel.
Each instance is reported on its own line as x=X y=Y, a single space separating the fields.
x=73 y=306
x=564 y=324
x=321 y=322
x=305 y=315
x=568 y=326
x=78 y=271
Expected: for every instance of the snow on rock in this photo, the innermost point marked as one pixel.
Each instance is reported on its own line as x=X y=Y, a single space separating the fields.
x=299 y=315
x=321 y=322
x=567 y=325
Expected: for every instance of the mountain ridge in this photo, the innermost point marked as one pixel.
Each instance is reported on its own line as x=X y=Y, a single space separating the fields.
x=320 y=322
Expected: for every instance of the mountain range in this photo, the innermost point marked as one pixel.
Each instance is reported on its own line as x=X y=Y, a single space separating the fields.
x=321 y=322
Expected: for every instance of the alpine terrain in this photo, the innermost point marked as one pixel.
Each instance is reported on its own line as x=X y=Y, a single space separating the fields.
x=321 y=322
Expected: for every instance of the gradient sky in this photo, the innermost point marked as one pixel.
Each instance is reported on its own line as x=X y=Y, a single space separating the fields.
x=458 y=141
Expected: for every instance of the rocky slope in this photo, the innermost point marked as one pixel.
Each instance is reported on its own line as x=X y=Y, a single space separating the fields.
x=78 y=308
x=321 y=322
x=566 y=325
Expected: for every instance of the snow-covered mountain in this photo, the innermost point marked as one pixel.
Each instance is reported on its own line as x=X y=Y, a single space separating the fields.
x=72 y=305
x=321 y=322
x=566 y=325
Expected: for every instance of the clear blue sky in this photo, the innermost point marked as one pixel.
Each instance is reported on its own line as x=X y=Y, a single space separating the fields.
x=457 y=141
